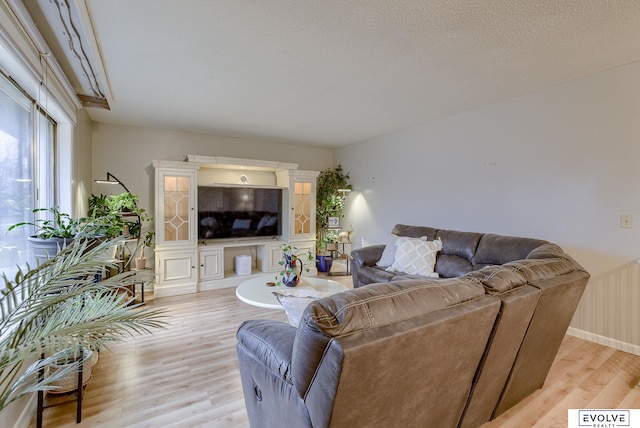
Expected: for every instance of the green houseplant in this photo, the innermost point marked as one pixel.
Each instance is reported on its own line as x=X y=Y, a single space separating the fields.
x=60 y=225
x=57 y=230
x=330 y=202
x=116 y=211
x=58 y=307
x=98 y=206
x=146 y=242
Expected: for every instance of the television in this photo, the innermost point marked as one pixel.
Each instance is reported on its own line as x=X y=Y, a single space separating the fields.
x=239 y=212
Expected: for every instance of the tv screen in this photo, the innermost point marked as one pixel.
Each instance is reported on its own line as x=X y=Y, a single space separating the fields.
x=239 y=212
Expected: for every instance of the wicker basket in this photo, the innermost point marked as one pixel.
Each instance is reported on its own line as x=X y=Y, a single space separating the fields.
x=94 y=358
x=69 y=382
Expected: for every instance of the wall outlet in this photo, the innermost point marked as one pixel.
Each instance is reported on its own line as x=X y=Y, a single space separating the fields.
x=626 y=221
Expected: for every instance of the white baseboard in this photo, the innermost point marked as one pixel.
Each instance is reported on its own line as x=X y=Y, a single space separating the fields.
x=603 y=340
x=175 y=290
x=24 y=420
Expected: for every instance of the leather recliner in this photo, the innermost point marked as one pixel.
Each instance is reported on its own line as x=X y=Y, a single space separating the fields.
x=352 y=359
x=396 y=354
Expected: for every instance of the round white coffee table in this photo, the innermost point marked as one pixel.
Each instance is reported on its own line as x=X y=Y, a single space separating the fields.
x=256 y=292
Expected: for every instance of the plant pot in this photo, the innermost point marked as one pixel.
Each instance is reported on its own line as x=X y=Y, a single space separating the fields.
x=46 y=248
x=323 y=263
x=140 y=263
x=69 y=382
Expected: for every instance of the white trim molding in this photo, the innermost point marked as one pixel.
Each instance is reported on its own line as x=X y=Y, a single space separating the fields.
x=606 y=341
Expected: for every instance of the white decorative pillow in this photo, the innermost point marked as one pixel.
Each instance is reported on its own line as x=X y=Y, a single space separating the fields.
x=416 y=256
x=388 y=255
x=389 y=252
x=295 y=300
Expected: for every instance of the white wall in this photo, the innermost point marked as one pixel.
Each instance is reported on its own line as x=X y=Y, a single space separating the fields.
x=560 y=164
x=127 y=152
x=82 y=164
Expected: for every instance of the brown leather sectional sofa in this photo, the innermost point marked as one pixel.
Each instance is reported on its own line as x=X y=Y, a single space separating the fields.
x=450 y=352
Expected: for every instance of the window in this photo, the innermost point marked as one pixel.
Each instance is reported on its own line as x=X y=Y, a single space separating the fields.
x=27 y=150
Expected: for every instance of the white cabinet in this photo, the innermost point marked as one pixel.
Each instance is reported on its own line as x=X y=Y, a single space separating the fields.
x=269 y=257
x=175 y=224
x=183 y=266
x=302 y=211
x=303 y=248
x=175 y=213
x=175 y=272
x=211 y=263
x=301 y=203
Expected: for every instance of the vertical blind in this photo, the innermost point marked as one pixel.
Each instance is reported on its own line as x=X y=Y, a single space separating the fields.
x=27 y=139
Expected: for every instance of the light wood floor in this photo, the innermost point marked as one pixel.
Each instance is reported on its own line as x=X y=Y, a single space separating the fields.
x=187 y=375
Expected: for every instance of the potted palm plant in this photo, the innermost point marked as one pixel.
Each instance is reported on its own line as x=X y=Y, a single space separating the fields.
x=58 y=308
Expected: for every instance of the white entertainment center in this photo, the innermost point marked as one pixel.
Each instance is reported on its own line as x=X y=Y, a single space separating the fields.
x=186 y=264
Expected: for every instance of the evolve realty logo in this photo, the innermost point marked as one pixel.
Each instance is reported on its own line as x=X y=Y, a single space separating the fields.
x=603 y=418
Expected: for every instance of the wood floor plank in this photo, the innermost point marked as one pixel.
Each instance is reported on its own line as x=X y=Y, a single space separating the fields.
x=532 y=409
x=632 y=400
x=618 y=386
x=579 y=365
x=558 y=415
x=614 y=366
x=187 y=375
x=569 y=344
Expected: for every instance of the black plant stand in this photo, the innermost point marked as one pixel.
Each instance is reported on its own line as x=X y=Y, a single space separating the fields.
x=78 y=399
x=341 y=255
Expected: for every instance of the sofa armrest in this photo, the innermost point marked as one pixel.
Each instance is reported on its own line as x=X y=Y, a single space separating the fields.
x=270 y=342
x=361 y=257
x=367 y=256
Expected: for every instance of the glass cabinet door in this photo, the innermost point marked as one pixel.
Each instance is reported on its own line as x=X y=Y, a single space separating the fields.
x=302 y=203
x=302 y=199
x=175 y=219
x=176 y=208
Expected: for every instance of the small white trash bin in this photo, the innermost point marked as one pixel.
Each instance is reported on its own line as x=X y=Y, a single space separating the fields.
x=243 y=265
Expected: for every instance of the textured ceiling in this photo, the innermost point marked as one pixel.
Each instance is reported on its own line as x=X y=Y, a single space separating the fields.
x=334 y=72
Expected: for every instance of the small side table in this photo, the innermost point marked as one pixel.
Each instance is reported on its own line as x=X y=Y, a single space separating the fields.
x=137 y=280
x=340 y=254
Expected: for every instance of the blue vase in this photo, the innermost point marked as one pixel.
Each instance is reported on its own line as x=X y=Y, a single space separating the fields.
x=324 y=263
